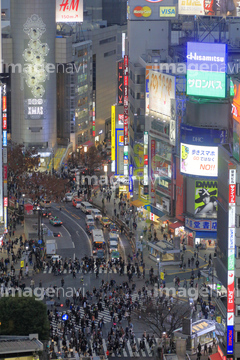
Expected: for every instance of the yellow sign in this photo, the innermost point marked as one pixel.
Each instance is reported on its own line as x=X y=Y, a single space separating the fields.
x=162 y=275
x=219 y=319
x=167 y=11
x=113 y=126
x=22 y=263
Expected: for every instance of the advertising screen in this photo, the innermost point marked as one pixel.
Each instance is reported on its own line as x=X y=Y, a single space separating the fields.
x=221 y=8
x=199 y=160
x=69 y=11
x=236 y=101
x=206 y=69
x=206 y=193
x=161 y=91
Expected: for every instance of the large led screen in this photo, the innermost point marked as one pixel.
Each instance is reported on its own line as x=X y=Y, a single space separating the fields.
x=199 y=160
x=206 y=69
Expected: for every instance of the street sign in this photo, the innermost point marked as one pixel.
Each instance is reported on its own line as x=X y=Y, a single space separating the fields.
x=39 y=241
x=22 y=263
x=65 y=317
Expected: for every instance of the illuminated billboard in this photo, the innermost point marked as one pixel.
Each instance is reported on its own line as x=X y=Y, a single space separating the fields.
x=206 y=69
x=199 y=160
x=161 y=91
x=221 y=8
x=206 y=193
x=69 y=11
x=120 y=83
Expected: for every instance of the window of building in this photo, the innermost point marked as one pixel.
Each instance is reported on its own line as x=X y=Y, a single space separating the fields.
x=238 y=283
x=237 y=221
x=110 y=53
x=108 y=40
x=238 y=336
x=238 y=252
x=238 y=310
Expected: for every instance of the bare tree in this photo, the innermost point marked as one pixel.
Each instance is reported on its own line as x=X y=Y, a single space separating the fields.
x=161 y=317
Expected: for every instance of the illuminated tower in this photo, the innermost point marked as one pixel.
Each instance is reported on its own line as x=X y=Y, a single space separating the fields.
x=33 y=79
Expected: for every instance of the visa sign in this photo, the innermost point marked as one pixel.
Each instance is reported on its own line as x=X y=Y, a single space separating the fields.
x=167 y=11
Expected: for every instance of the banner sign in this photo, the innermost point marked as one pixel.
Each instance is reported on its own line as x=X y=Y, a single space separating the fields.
x=206 y=193
x=201 y=225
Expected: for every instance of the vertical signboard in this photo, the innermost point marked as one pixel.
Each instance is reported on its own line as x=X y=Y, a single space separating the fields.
x=125 y=124
x=3 y=104
x=93 y=116
x=4 y=130
x=113 y=139
x=145 y=154
x=120 y=83
x=231 y=257
x=153 y=165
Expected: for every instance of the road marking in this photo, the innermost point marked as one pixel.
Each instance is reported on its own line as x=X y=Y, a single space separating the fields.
x=74 y=256
x=82 y=230
x=66 y=230
x=73 y=244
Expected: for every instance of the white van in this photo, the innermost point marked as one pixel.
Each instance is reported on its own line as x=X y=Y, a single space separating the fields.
x=113 y=237
x=86 y=207
x=113 y=246
x=89 y=220
x=96 y=214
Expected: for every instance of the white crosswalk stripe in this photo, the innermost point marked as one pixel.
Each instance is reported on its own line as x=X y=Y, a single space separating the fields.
x=126 y=352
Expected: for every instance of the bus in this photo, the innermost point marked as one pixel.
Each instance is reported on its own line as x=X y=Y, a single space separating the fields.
x=98 y=242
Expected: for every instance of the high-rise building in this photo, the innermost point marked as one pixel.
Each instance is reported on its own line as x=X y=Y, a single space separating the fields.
x=33 y=88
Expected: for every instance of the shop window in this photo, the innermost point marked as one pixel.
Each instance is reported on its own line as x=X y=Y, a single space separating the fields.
x=238 y=283
x=238 y=336
x=238 y=310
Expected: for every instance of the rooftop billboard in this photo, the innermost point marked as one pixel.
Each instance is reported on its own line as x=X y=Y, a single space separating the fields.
x=161 y=91
x=220 y=8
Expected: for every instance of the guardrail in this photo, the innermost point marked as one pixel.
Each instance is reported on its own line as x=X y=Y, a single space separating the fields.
x=129 y=234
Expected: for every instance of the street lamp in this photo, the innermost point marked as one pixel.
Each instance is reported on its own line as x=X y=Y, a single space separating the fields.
x=85 y=153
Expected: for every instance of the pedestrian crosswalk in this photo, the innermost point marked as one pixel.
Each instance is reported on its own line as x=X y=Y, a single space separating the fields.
x=114 y=270
x=128 y=351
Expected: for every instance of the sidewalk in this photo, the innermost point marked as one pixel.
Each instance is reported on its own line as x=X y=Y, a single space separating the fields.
x=10 y=240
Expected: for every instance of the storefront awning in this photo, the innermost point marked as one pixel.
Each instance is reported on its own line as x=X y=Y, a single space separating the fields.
x=216 y=356
x=206 y=235
x=176 y=224
x=137 y=203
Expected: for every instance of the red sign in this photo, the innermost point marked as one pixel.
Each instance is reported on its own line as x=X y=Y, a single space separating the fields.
x=4 y=122
x=69 y=5
x=5 y=201
x=121 y=118
x=230 y=298
x=145 y=159
x=232 y=194
x=120 y=83
x=5 y=172
x=4 y=103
